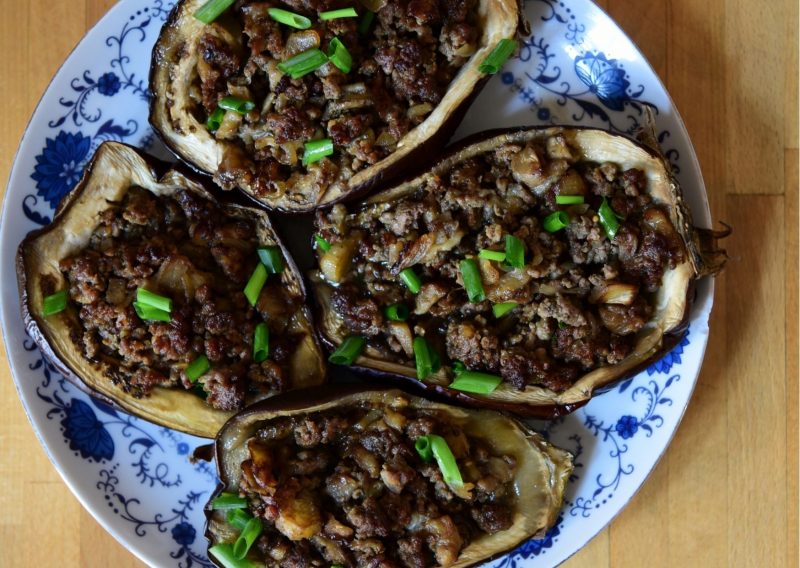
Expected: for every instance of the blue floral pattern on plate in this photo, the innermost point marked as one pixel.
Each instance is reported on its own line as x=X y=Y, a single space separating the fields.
x=576 y=67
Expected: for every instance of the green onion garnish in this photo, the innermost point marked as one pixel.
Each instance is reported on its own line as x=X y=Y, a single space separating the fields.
x=472 y=381
x=200 y=391
x=238 y=518
x=322 y=243
x=211 y=10
x=411 y=280
x=458 y=367
x=315 y=150
x=396 y=312
x=471 y=276
x=272 y=258
x=215 y=119
x=197 y=368
x=149 y=313
x=54 y=303
x=555 y=221
x=569 y=199
x=497 y=255
x=426 y=358
x=147 y=298
x=303 y=63
x=366 y=23
x=261 y=343
x=499 y=310
x=339 y=55
x=446 y=460
x=246 y=538
x=226 y=501
x=348 y=351
x=335 y=14
x=423 y=447
x=515 y=252
x=289 y=18
x=495 y=60
x=236 y=104
x=608 y=219
x=224 y=553
x=256 y=283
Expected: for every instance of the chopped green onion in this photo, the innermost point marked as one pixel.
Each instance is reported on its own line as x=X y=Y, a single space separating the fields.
x=147 y=298
x=472 y=381
x=411 y=280
x=397 y=312
x=499 y=310
x=215 y=119
x=315 y=150
x=224 y=554
x=271 y=258
x=515 y=251
x=471 y=276
x=446 y=460
x=322 y=243
x=423 y=447
x=339 y=56
x=261 y=343
x=212 y=10
x=236 y=104
x=426 y=358
x=348 y=351
x=366 y=23
x=226 y=501
x=289 y=18
x=608 y=219
x=569 y=199
x=54 y=303
x=198 y=368
x=497 y=255
x=562 y=325
x=247 y=537
x=555 y=221
x=256 y=283
x=238 y=518
x=335 y=14
x=458 y=367
x=303 y=63
x=149 y=313
x=200 y=391
x=495 y=60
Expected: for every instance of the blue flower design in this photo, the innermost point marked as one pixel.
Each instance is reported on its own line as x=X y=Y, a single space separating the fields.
x=604 y=78
x=543 y=113
x=86 y=434
x=183 y=448
x=60 y=164
x=672 y=358
x=535 y=547
x=183 y=533
x=627 y=426
x=108 y=84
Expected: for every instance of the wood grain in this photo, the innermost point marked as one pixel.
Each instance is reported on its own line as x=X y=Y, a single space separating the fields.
x=726 y=493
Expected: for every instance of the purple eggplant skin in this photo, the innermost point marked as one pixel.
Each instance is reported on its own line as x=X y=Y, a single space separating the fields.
x=541 y=479
x=113 y=169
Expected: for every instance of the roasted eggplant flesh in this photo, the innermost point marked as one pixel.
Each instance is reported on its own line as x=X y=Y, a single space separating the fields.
x=577 y=265
x=125 y=238
x=344 y=482
x=364 y=87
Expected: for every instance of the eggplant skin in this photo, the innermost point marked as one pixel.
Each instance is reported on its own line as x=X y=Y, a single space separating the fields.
x=541 y=479
x=672 y=302
x=172 y=68
x=113 y=169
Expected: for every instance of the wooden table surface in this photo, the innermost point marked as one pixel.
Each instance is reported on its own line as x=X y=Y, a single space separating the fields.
x=726 y=493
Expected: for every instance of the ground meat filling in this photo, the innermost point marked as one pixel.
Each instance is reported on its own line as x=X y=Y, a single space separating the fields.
x=581 y=296
x=186 y=248
x=347 y=487
x=402 y=66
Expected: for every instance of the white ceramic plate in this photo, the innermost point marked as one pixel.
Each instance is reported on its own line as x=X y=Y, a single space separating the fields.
x=135 y=478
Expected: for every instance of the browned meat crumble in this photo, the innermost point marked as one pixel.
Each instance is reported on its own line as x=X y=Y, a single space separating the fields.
x=188 y=249
x=582 y=296
x=401 y=69
x=347 y=487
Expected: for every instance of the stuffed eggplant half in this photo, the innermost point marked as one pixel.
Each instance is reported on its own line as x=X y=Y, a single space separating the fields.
x=300 y=104
x=525 y=271
x=149 y=293
x=378 y=478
